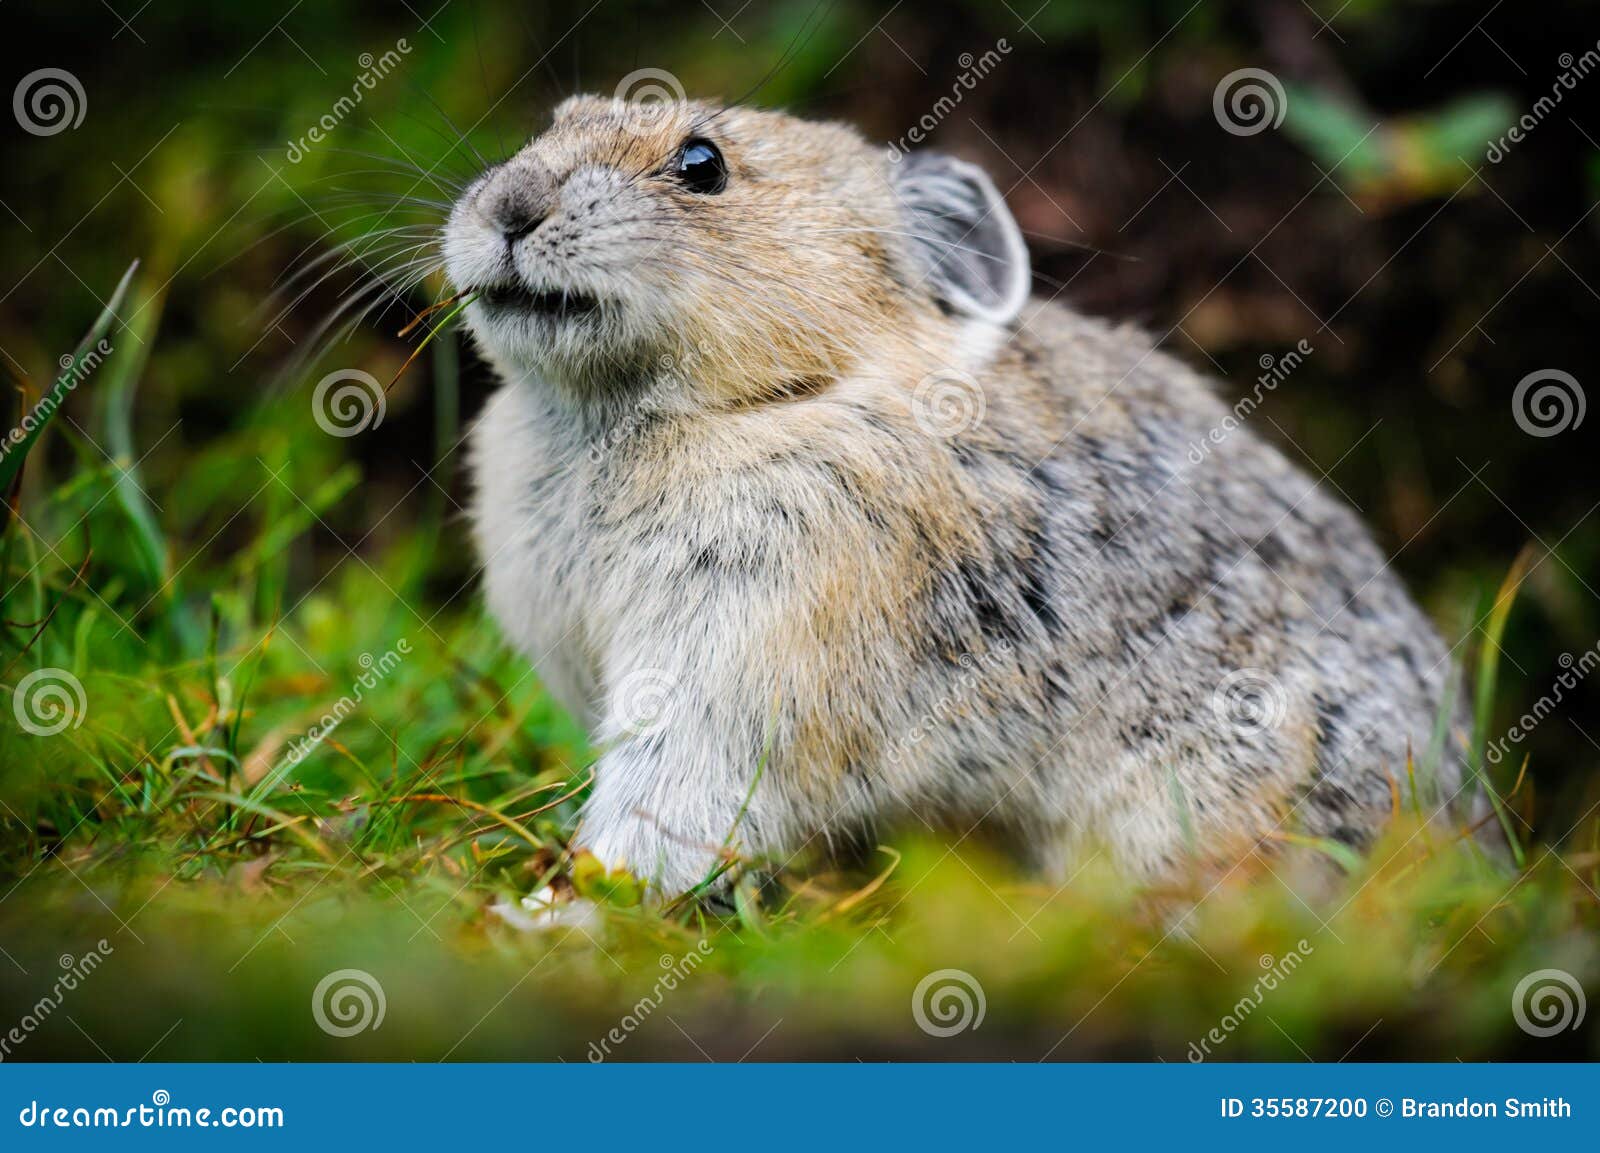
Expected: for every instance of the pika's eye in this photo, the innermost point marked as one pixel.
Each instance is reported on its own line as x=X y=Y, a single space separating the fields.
x=701 y=168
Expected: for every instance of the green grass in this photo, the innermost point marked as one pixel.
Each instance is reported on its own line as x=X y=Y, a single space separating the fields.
x=228 y=875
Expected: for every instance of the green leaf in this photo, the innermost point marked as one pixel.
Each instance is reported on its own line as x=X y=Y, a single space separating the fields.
x=1335 y=131
x=1399 y=158
x=116 y=398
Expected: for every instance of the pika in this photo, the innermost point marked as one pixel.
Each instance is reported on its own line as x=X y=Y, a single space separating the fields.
x=795 y=496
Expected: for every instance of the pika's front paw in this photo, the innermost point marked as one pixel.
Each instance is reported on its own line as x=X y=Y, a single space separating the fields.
x=634 y=861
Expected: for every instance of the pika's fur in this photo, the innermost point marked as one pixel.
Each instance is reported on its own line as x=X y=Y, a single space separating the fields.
x=788 y=476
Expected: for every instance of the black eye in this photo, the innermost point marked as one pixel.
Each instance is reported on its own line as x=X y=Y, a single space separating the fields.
x=701 y=168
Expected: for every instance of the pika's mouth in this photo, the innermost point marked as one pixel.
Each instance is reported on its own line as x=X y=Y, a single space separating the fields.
x=561 y=304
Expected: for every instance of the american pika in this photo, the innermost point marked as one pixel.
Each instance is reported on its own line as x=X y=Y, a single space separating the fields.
x=794 y=496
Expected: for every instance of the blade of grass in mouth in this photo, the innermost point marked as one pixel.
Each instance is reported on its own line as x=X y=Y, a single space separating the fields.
x=432 y=332
x=429 y=311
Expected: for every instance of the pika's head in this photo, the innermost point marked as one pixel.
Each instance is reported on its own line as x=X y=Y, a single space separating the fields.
x=762 y=250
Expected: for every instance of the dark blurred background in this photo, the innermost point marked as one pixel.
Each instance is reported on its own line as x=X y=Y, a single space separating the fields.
x=1429 y=270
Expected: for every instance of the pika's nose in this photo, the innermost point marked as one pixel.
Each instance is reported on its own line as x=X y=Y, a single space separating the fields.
x=514 y=215
x=516 y=201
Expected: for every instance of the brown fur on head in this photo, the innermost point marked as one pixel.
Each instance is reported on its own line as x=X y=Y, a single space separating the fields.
x=596 y=255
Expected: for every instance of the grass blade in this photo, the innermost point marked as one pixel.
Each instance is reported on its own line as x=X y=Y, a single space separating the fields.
x=11 y=463
x=1483 y=701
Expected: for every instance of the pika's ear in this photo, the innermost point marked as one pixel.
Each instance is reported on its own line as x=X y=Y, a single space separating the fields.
x=963 y=235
